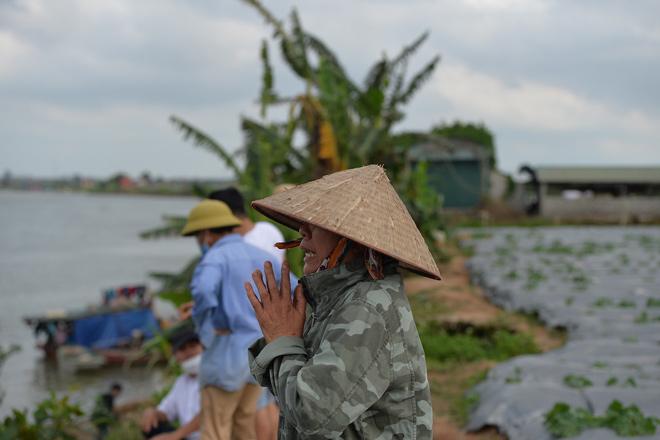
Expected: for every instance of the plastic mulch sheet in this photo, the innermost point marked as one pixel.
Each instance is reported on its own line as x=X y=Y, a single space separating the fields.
x=602 y=284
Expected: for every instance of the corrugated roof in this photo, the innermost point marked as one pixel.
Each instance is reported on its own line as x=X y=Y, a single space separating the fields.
x=442 y=148
x=598 y=174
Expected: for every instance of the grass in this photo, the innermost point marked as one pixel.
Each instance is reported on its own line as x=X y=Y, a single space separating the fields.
x=603 y=302
x=575 y=381
x=461 y=355
x=626 y=421
x=630 y=382
x=515 y=377
x=467 y=401
x=425 y=307
x=624 y=303
x=653 y=302
x=474 y=222
x=481 y=235
x=125 y=430
x=534 y=277
x=644 y=318
x=582 y=250
x=450 y=385
x=472 y=343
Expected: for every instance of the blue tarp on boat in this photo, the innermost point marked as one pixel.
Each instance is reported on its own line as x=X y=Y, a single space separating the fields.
x=110 y=329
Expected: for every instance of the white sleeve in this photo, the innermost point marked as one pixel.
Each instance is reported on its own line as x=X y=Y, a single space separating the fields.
x=168 y=404
x=264 y=236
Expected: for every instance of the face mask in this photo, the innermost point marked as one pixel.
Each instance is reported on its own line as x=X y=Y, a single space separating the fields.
x=203 y=247
x=191 y=366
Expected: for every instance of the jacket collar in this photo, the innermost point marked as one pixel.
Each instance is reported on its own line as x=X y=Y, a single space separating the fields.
x=323 y=288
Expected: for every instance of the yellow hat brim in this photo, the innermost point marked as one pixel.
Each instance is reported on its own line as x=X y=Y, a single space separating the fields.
x=199 y=225
x=209 y=214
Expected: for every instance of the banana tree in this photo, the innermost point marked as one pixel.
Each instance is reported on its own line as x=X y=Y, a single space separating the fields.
x=343 y=124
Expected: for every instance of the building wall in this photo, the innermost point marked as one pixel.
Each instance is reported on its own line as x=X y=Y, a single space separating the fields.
x=602 y=208
x=498 y=185
x=459 y=182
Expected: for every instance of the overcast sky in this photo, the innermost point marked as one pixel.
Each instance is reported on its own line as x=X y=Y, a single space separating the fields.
x=87 y=86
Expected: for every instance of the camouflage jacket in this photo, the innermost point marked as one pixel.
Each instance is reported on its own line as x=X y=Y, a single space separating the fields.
x=359 y=369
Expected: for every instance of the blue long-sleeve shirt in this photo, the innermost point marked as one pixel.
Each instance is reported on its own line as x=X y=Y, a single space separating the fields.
x=221 y=304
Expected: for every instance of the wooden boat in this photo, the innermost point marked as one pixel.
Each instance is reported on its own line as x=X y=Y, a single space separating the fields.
x=112 y=332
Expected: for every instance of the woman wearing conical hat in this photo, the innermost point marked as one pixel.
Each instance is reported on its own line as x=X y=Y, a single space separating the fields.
x=342 y=354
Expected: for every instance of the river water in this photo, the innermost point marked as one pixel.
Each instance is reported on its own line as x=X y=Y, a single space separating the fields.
x=58 y=251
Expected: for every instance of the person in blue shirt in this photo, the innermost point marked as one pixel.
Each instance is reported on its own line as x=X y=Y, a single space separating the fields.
x=225 y=321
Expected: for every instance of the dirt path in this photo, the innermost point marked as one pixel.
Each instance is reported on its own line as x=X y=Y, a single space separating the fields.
x=455 y=301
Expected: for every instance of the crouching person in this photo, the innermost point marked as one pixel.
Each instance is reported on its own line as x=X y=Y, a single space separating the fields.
x=182 y=403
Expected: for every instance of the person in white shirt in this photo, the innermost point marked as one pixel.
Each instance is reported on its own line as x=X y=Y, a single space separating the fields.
x=182 y=403
x=263 y=235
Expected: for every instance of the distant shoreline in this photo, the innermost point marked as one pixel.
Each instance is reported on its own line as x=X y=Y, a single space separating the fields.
x=119 y=183
x=98 y=192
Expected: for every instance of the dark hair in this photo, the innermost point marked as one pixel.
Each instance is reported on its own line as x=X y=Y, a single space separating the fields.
x=223 y=230
x=232 y=197
x=116 y=386
x=183 y=336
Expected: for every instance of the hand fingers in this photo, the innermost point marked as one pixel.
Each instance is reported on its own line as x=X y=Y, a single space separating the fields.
x=146 y=421
x=252 y=297
x=285 y=281
x=270 y=279
x=299 y=302
x=261 y=287
x=185 y=308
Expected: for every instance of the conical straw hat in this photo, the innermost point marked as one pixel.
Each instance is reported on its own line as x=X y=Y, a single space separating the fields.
x=359 y=204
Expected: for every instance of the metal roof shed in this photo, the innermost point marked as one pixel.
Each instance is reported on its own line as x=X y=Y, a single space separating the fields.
x=457 y=170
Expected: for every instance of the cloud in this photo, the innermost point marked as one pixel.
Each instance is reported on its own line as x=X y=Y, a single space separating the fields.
x=88 y=85
x=14 y=54
x=532 y=105
x=121 y=138
x=104 y=53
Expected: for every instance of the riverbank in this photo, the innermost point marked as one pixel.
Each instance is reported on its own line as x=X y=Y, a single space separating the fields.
x=145 y=192
x=60 y=251
x=464 y=337
x=117 y=184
